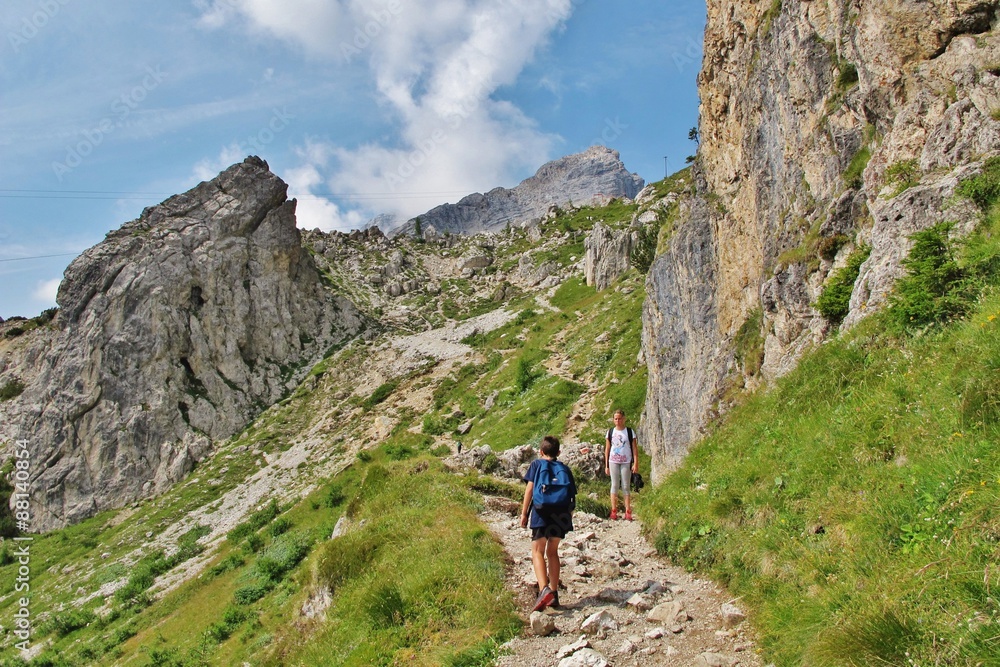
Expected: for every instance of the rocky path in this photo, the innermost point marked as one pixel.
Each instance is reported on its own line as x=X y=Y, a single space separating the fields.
x=622 y=605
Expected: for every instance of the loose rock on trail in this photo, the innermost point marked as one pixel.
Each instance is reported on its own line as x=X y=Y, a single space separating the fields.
x=621 y=604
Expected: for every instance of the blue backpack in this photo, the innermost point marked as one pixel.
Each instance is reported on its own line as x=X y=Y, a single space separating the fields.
x=554 y=488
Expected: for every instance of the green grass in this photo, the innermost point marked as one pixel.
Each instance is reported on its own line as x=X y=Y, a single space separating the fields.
x=447 y=605
x=530 y=402
x=245 y=605
x=853 y=175
x=860 y=493
x=853 y=504
x=679 y=181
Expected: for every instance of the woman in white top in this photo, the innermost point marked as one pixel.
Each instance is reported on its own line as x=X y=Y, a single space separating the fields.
x=621 y=459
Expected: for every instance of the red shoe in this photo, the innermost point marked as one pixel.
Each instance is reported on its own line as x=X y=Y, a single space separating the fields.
x=545 y=598
x=628 y=515
x=614 y=515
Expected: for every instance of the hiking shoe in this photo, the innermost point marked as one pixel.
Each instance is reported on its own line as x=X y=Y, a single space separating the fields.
x=628 y=515
x=545 y=598
x=614 y=515
x=555 y=600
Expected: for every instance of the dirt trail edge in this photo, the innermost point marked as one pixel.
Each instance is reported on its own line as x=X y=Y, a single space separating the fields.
x=621 y=605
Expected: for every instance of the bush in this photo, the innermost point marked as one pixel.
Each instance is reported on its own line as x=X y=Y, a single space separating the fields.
x=280 y=526
x=835 y=301
x=335 y=497
x=66 y=622
x=490 y=463
x=380 y=394
x=984 y=188
x=935 y=289
x=253 y=544
x=398 y=452
x=257 y=520
x=11 y=389
x=438 y=425
x=749 y=342
x=230 y=562
x=523 y=376
x=644 y=251
x=46 y=316
x=250 y=593
x=904 y=174
x=848 y=75
x=144 y=574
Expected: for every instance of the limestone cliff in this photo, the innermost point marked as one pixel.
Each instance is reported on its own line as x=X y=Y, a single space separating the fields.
x=812 y=112
x=593 y=176
x=174 y=331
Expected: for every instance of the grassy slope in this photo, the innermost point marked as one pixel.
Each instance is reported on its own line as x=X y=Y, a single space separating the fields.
x=246 y=605
x=855 y=505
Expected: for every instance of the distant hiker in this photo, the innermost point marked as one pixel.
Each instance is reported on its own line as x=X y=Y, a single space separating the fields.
x=621 y=459
x=550 y=497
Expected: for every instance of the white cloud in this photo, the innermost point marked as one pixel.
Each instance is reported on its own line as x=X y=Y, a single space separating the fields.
x=306 y=23
x=209 y=168
x=314 y=211
x=437 y=65
x=45 y=291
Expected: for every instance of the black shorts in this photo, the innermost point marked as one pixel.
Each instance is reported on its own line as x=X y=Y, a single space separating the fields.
x=556 y=524
x=545 y=532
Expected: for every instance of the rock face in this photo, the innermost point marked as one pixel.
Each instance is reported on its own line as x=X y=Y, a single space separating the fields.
x=607 y=255
x=809 y=111
x=594 y=176
x=175 y=330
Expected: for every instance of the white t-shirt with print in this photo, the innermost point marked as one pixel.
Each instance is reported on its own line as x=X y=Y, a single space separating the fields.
x=621 y=450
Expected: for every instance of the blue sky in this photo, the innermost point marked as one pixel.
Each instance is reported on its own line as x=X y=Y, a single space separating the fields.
x=362 y=106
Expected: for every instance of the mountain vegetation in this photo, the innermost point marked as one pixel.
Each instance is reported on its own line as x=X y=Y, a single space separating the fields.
x=189 y=577
x=853 y=504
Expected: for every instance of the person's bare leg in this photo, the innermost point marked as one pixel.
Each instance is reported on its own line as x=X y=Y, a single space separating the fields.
x=538 y=562
x=552 y=552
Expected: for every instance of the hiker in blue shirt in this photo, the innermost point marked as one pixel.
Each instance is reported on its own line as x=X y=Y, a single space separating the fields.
x=550 y=497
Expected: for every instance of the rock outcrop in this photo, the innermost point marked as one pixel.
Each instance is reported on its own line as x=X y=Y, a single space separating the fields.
x=594 y=176
x=607 y=255
x=176 y=330
x=809 y=111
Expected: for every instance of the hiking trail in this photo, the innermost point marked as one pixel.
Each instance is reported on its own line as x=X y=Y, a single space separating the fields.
x=642 y=611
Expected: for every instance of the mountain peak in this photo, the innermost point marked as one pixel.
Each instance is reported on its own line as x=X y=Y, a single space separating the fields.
x=595 y=175
x=175 y=331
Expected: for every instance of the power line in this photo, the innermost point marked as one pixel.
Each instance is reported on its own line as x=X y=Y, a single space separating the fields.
x=7 y=193
x=18 y=259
